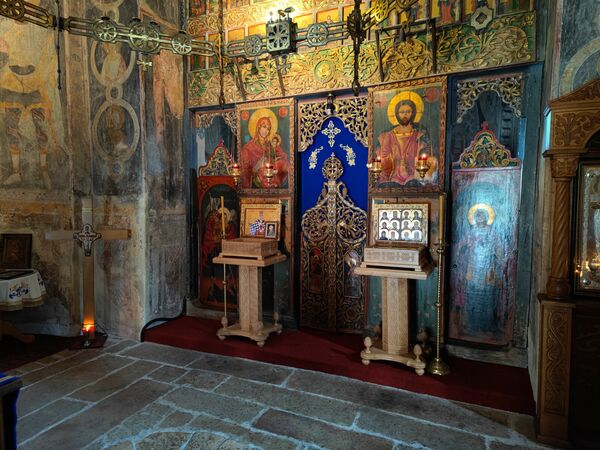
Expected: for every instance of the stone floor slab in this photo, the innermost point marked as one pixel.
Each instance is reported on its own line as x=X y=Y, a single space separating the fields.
x=135 y=424
x=114 y=382
x=242 y=434
x=176 y=420
x=167 y=373
x=397 y=401
x=79 y=430
x=201 y=379
x=163 y=441
x=119 y=346
x=216 y=405
x=413 y=432
x=327 y=409
x=55 y=387
x=63 y=364
x=30 y=425
x=163 y=354
x=205 y=441
x=243 y=368
x=319 y=433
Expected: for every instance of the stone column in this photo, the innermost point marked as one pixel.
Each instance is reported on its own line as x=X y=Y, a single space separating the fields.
x=563 y=170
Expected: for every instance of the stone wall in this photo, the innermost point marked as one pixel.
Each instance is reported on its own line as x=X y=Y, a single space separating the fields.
x=36 y=166
x=112 y=138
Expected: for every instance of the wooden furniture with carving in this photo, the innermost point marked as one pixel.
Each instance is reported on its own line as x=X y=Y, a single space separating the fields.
x=394 y=342
x=251 y=262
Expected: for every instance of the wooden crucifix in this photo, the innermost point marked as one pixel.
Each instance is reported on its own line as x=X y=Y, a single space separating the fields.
x=86 y=238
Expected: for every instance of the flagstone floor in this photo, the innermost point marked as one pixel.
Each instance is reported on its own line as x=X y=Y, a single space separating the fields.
x=131 y=395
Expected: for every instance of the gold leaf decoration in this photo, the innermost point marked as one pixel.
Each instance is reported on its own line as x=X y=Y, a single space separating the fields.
x=352 y=112
x=486 y=151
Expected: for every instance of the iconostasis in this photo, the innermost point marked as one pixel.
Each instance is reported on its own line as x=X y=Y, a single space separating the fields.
x=471 y=137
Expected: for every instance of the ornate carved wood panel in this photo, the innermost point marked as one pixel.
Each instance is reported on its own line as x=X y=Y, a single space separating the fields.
x=575 y=120
x=333 y=238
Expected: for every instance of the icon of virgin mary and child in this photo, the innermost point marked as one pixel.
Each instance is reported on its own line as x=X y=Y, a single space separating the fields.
x=264 y=148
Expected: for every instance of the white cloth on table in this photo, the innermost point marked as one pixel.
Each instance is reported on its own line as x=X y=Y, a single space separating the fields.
x=22 y=292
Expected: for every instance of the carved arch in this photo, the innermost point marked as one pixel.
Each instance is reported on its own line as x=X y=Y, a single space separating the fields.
x=352 y=111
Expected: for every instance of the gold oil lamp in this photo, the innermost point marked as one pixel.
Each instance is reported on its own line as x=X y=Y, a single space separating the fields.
x=375 y=166
x=423 y=164
x=236 y=173
x=269 y=172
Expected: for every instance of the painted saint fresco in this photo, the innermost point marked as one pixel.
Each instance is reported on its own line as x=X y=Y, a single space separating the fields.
x=265 y=142
x=483 y=252
x=211 y=275
x=408 y=123
x=31 y=117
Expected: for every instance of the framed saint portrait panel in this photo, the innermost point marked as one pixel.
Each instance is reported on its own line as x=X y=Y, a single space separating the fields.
x=407 y=123
x=266 y=146
x=399 y=223
x=257 y=216
x=271 y=230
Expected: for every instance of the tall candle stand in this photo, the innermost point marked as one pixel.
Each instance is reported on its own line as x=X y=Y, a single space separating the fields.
x=437 y=366
x=224 y=321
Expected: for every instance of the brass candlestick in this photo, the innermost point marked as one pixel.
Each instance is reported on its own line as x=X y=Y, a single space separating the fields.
x=236 y=173
x=224 y=319
x=423 y=165
x=269 y=172
x=437 y=366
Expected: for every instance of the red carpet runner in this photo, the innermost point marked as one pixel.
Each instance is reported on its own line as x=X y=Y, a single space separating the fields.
x=492 y=385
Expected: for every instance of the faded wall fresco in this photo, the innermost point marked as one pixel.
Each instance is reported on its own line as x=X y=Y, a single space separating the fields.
x=34 y=167
x=127 y=161
x=162 y=124
x=579 y=57
x=115 y=114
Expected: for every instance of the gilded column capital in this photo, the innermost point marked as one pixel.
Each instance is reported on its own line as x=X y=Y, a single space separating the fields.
x=564 y=167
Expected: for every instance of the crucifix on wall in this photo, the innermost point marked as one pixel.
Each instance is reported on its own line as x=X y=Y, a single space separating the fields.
x=86 y=237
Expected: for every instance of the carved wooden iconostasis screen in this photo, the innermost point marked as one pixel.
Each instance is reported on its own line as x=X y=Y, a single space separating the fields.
x=333 y=203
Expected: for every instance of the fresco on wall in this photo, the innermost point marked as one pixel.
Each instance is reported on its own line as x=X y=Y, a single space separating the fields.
x=579 y=56
x=483 y=253
x=115 y=98
x=163 y=141
x=31 y=115
x=164 y=107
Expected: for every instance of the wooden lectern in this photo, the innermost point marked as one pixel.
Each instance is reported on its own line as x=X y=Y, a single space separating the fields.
x=394 y=345
x=251 y=255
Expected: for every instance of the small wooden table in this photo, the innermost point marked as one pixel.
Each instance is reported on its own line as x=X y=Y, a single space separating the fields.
x=394 y=317
x=250 y=322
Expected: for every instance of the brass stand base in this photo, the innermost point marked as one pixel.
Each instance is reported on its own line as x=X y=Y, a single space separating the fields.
x=438 y=367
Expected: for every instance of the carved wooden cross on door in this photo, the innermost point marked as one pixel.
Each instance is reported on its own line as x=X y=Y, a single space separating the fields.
x=86 y=238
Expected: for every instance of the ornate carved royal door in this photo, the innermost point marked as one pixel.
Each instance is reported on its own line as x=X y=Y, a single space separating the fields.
x=333 y=238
